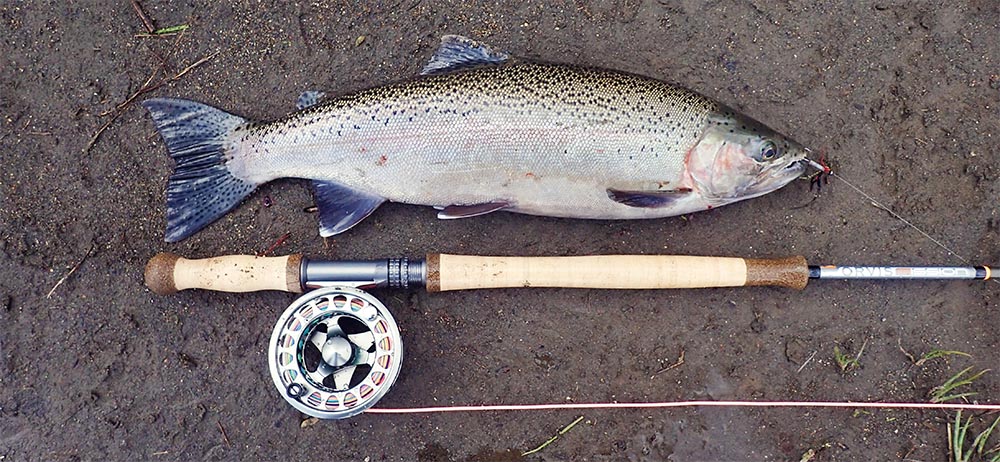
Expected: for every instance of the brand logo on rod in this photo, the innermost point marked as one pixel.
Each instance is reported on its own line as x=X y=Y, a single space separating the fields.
x=899 y=272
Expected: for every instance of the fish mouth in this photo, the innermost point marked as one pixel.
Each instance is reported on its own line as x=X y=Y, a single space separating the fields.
x=792 y=166
x=776 y=176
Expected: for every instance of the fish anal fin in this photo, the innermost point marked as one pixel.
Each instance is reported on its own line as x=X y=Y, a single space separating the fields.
x=452 y=212
x=649 y=199
x=340 y=207
x=457 y=52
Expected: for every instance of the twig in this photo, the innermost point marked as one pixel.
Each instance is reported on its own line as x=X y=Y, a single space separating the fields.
x=71 y=271
x=862 y=349
x=119 y=109
x=146 y=88
x=189 y=68
x=899 y=343
x=803 y=366
x=224 y=435
x=679 y=363
x=159 y=35
x=281 y=240
x=145 y=85
x=142 y=15
x=561 y=432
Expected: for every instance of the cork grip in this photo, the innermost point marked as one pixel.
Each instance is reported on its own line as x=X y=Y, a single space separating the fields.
x=167 y=273
x=458 y=272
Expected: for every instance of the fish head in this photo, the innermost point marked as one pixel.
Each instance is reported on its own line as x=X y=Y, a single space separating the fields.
x=739 y=158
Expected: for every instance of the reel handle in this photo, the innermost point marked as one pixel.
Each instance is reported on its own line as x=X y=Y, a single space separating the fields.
x=167 y=273
x=459 y=272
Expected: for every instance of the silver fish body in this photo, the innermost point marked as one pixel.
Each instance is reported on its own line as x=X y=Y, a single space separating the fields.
x=477 y=135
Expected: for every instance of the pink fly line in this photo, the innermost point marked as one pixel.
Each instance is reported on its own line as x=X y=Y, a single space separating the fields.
x=673 y=404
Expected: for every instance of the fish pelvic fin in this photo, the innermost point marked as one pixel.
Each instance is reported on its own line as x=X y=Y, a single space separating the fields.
x=340 y=207
x=455 y=211
x=202 y=188
x=457 y=53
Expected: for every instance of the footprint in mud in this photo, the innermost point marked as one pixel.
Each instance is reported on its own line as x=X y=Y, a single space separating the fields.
x=545 y=361
x=696 y=434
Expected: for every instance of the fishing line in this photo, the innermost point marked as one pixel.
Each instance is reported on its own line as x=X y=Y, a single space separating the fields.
x=675 y=404
x=878 y=204
x=756 y=404
x=337 y=350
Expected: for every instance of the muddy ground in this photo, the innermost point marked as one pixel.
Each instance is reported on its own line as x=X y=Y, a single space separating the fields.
x=901 y=96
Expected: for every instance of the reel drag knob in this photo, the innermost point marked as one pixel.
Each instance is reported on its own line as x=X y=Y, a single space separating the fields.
x=337 y=351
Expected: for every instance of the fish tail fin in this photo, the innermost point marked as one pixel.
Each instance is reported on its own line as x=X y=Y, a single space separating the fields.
x=202 y=187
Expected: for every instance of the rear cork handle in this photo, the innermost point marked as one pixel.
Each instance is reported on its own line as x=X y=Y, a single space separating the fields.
x=459 y=272
x=167 y=273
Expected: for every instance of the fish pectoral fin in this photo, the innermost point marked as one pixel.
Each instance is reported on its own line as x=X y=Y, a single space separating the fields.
x=457 y=52
x=452 y=212
x=308 y=99
x=340 y=207
x=649 y=199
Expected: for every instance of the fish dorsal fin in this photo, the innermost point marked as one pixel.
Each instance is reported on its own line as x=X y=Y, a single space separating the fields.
x=340 y=207
x=457 y=52
x=649 y=199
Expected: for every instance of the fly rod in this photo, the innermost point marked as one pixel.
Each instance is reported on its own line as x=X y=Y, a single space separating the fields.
x=168 y=273
x=336 y=350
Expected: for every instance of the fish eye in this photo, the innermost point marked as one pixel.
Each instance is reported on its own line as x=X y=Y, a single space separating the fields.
x=768 y=151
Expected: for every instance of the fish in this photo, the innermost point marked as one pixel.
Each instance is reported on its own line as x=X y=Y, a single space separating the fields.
x=479 y=131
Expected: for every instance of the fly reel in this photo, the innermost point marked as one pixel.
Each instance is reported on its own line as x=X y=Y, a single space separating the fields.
x=335 y=352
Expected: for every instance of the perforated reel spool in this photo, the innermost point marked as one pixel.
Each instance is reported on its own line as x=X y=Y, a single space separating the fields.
x=335 y=352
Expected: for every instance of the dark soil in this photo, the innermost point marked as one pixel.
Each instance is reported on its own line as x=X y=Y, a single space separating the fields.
x=901 y=96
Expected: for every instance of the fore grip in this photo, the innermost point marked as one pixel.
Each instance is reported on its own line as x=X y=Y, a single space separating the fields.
x=167 y=273
x=459 y=272
x=791 y=272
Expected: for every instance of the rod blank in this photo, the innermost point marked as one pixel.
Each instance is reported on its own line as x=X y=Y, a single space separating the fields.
x=899 y=272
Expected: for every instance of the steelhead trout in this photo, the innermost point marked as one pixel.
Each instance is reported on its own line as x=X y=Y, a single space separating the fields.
x=479 y=132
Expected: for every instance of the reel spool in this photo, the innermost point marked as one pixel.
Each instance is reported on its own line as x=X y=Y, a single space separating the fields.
x=335 y=352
